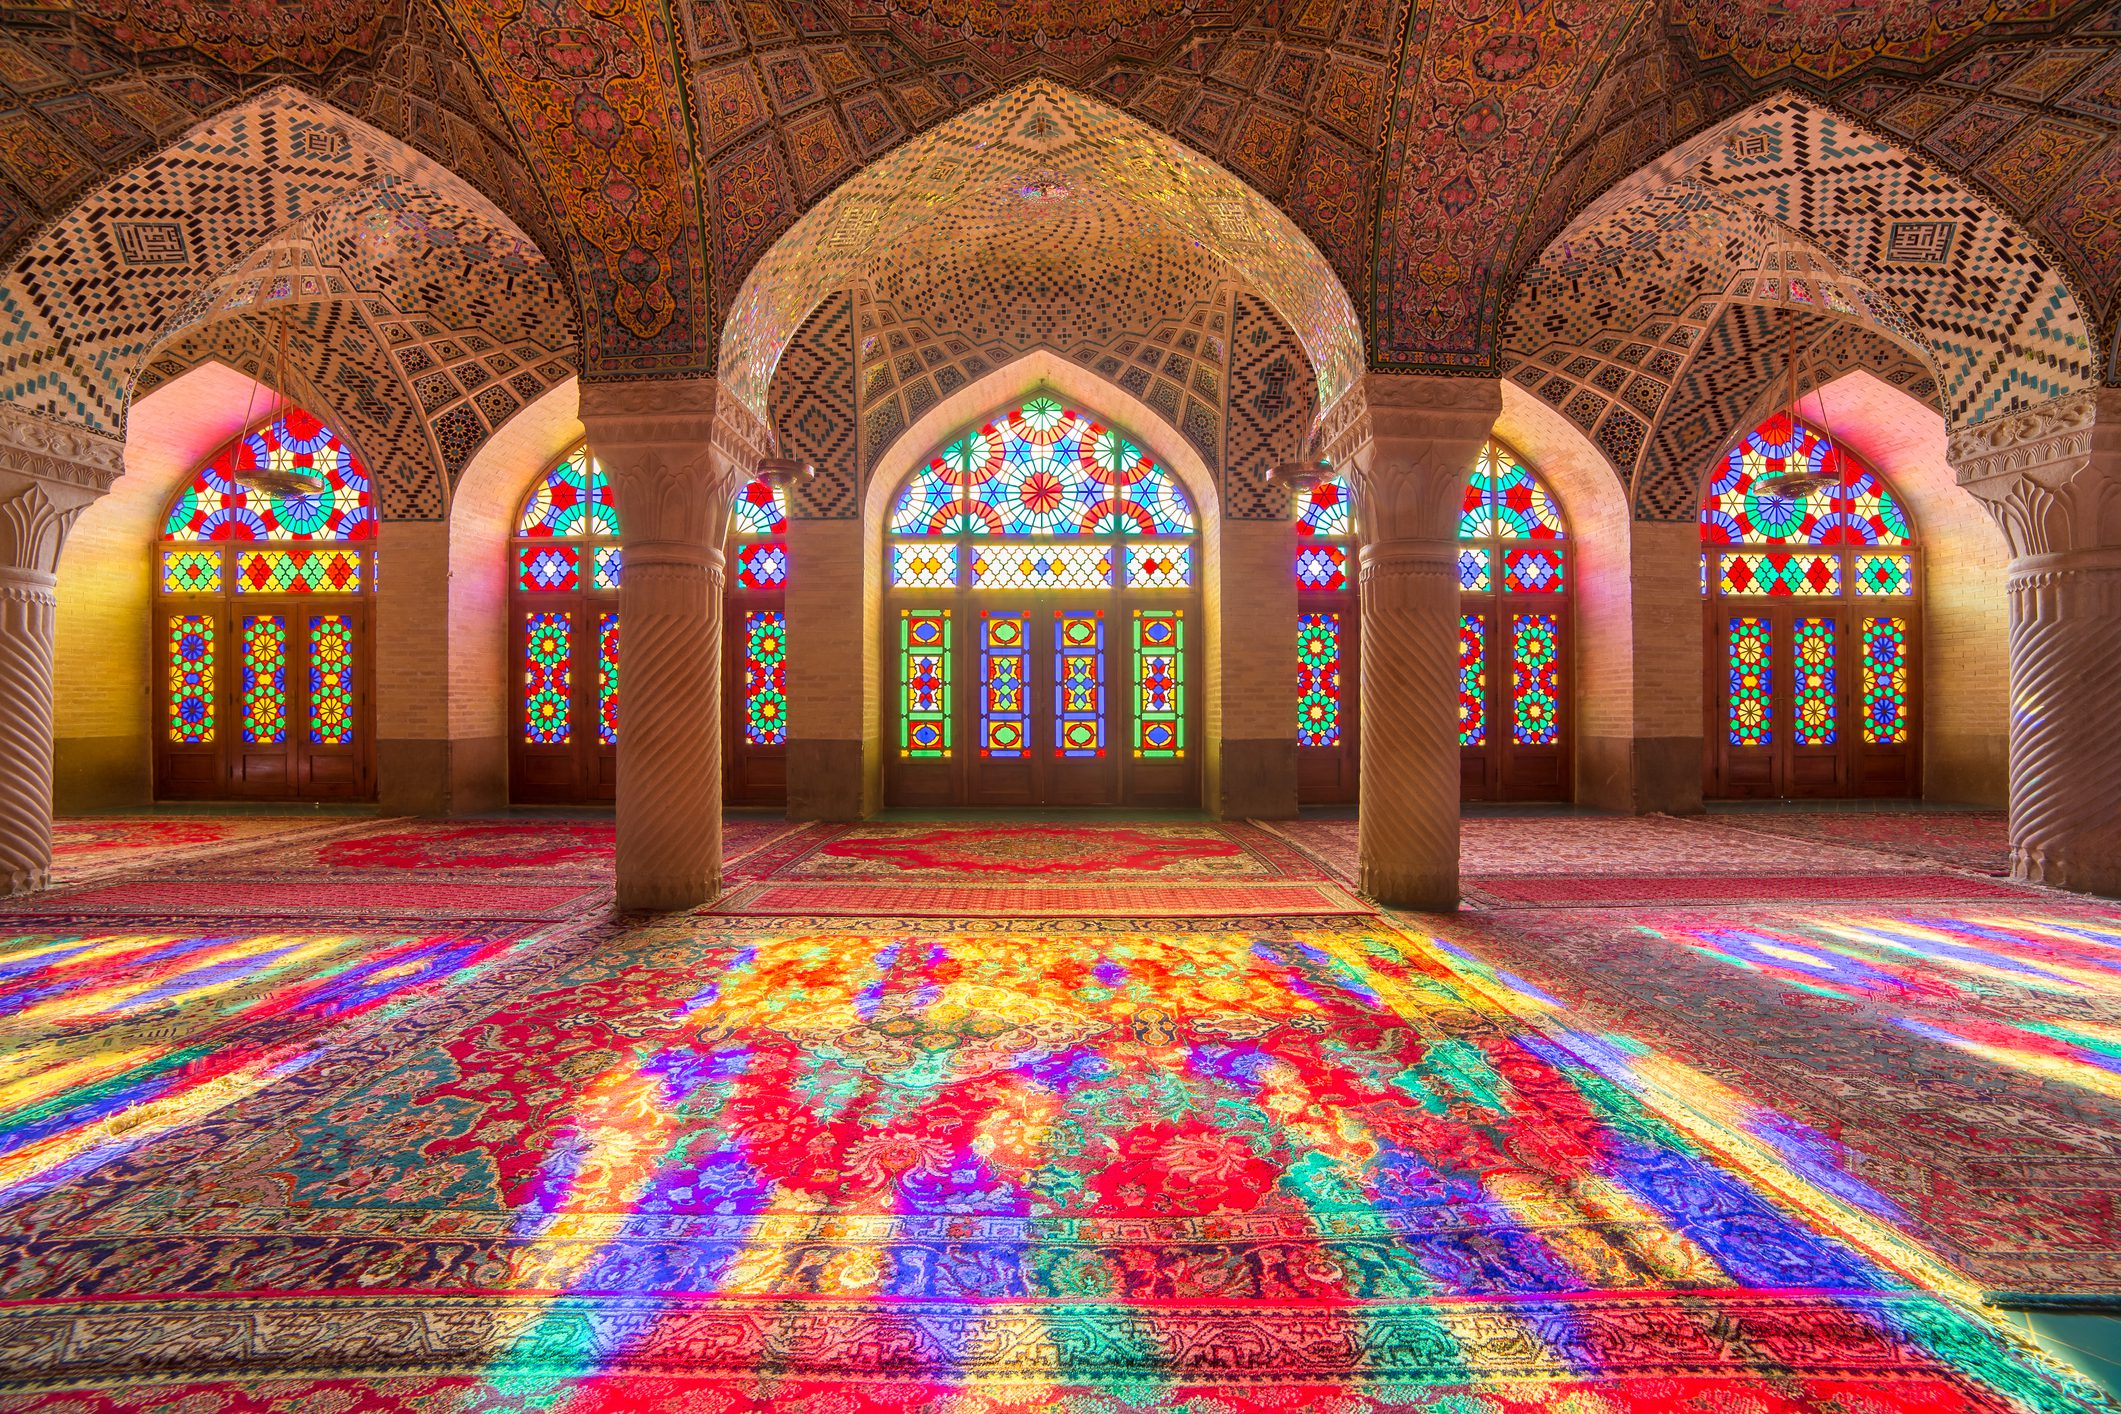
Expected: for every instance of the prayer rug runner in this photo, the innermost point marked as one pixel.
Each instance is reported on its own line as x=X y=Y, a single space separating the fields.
x=1041 y=900
x=1030 y=851
x=814 y=1166
x=1961 y=839
x=93 y=846
x=439 y=899
x=1948 y=1070
x=1609 y=890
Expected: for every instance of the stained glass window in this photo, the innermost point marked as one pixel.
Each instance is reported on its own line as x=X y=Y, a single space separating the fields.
x=1159 y=566
x=1514 y=563
x=608 y=679
x=1885 y=575
x=925 y=676
x=1849 y=539
x=1854 y=509
x=1536 y=680
x=224 y=536
x=1505 y=501
x=1328 y=510
x=1042 y=470
x=1885 y=705
x=548 y=678
x=1812 y=682
x=763 y=565
x=1159 y=682
x=331 y=680
x=557 y=568
x=1321 y=566
x=759 y=510
x=218 y=503
x=298 y=572
x=606 y=575
x=1005 y=706
x=1748 y=699
x=191 y=572
x=766 y=677
x=1318 y=679
x=1532 y=571
x=922 y=566
x=264 y=679
x=1041 y=566
x=1078 y=683
x=1779 y=576
x=191 y=679
x=572 y=501
x=1472 y=680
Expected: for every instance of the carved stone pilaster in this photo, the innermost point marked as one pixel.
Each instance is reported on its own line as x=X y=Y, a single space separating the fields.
x=2051 y=478
x=1406 y=449
x=675 y=452
x=48 y=476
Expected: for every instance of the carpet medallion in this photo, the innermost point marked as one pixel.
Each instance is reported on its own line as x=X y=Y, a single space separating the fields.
x=1030 y=852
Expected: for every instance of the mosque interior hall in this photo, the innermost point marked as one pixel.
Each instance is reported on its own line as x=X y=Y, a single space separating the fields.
x=1097 y=707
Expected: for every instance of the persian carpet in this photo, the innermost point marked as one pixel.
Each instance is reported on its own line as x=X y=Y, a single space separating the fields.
x=89 y=846
x=818 y=1164
x=1652 y=890
x=1042 y=900
x=1962 y=839
x=1951 y=1070
x=1033 y=852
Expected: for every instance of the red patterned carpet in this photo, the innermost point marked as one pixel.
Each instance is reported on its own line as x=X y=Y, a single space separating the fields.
x=1218 y=1163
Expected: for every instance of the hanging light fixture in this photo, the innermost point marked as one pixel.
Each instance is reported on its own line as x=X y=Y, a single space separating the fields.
x=1301 y=476
x=1795 y=483
x=784 y=474
x=282 y=481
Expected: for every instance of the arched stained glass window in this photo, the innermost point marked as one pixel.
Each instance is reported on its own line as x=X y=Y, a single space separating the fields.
x=1853 y=508
x=1042 y=567
x=1045 y=471
x=263 y=601
x=567 y=562
x=218 y=503
x=1811 y=622
x=1514 y=576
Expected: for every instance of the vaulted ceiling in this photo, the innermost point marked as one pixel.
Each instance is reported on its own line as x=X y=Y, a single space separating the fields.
x=654 y=150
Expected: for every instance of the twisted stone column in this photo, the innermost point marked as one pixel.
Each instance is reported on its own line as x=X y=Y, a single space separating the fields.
x=48 y=475
x=1407 y=442
x=2051 y=476
x=676 y=452
x=27 y=609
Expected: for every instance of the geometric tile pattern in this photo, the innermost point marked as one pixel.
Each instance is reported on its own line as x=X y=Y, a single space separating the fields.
x=1425 y=159
x=2007 y=329
x=1610 y=326
x=1272 y=402
x=1738 y=374
x=814 y=412
x=1041 y=219
x=1169 y=355
x=282 y=204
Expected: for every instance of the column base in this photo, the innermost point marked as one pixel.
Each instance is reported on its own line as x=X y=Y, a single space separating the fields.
x=1417 y=892
x=24 y=882
x=2096 y=876
x=667 y=895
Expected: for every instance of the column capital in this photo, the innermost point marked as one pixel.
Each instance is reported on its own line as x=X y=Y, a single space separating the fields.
x=676 y=450
x=48 y=474
x=2047 y=473
x=1407 y=441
